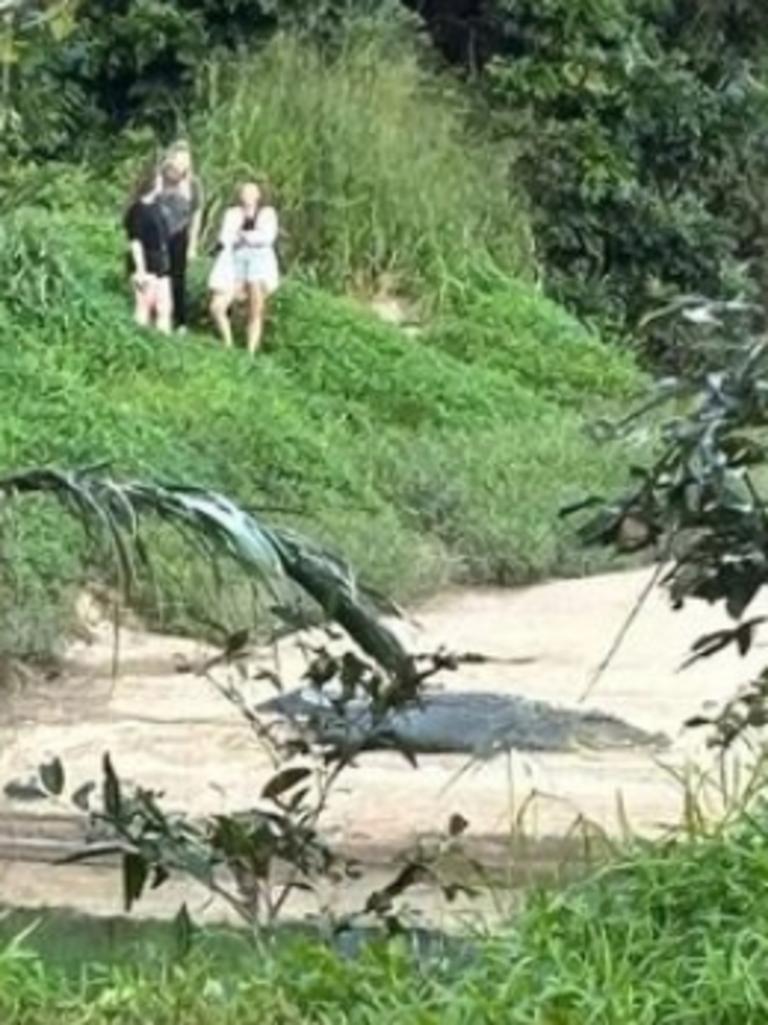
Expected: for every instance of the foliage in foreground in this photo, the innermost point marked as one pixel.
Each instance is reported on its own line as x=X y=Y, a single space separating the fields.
x=239 y=858
x=368 y=435
x=671 y=933
x=700 y=504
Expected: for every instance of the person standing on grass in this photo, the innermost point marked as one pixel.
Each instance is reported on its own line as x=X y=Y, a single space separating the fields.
x=181 y=199
x=246 y=267
x=149 y=256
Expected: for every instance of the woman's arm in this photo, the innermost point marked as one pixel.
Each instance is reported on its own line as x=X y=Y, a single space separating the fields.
x=196 y=223
x=266 y=230
x=137 y=255
x=230 y=227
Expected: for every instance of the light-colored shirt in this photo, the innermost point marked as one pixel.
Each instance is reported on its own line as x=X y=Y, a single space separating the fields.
x=262 y=235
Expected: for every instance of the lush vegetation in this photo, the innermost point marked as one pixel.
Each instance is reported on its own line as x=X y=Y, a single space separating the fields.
x=369 y=434
x=612 y=149
x=673 y=933
x=348 y=140
x=636 y=128
x=640 y=127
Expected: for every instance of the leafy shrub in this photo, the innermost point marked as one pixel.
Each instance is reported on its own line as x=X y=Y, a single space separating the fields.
x=396 y=378
x=508 y=326
x=642 y=144
x=138 y=62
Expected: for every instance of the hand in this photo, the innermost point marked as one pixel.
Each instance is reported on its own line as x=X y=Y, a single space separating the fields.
x=192 y=252
x=140 y=279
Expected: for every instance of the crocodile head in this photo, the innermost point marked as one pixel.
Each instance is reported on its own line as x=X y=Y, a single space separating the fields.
x=599 y=732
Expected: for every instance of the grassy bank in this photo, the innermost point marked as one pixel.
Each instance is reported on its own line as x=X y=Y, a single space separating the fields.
x=673 y=933
x=429 y=460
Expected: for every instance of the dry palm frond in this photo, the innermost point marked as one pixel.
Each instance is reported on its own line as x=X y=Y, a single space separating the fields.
x=275 y=558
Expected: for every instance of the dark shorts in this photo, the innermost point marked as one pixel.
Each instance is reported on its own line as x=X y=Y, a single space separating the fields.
x=156 y=263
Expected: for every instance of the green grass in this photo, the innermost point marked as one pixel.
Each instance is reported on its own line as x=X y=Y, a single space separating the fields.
x=425 y=463
x=430 y=460
x=669 y=933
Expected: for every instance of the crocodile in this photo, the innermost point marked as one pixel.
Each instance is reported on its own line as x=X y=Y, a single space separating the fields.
x=459 y=722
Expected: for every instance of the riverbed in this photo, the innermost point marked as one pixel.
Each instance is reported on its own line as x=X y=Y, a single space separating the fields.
x=168 y=728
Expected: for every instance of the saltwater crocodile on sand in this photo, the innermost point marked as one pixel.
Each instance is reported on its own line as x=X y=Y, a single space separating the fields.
x=459 y=722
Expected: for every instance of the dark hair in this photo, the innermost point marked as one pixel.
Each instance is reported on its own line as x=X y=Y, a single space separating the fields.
x=145 y=182
x=266 y=192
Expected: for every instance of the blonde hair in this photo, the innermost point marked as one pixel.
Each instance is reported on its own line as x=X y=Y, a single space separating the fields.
x=170 y=173
x=179 y=148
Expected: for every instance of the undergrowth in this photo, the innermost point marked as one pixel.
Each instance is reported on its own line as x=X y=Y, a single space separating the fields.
x=673 y=932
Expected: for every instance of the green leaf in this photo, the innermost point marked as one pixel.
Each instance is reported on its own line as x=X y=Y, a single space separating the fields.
x=52 y=777
x=160 y=876
x=285 y=780
x=457 y=824
x=111 y=790
x=18 y=790
x=184 y=930
x=91 y=852
x=135 y=872
x=81 y=797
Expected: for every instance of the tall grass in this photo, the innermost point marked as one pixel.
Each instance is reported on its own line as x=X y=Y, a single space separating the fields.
x=375 y=170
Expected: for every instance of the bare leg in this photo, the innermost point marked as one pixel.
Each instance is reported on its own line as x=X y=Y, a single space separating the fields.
x=142 y=310
x=164 y=306
x=256 y=302
x=220 y=303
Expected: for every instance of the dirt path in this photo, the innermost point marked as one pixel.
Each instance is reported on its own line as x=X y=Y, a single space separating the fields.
x=171 y=730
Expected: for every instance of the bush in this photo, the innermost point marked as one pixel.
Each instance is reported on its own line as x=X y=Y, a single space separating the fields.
x=642 y=143
x=505 y=324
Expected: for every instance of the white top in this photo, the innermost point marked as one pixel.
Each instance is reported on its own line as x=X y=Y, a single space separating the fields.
x=263 y=235
x=246 y=257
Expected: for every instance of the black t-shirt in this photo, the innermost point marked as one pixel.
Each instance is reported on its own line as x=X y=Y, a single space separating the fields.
x=146 y=225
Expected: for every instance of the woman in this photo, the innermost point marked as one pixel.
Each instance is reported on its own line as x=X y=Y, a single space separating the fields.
x=246 y=266
x=149 y=256
x=181 y=200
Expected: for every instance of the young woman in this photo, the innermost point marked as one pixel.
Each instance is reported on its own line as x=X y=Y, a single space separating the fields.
x=246 y=267
x=181 y=199
x=149 y=256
